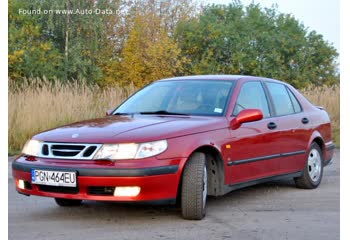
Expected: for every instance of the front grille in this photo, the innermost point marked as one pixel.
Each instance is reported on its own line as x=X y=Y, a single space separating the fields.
x=45 y=149
x=66 y=150
x=69 y=150
x=55 y=189
x=89 y=151
x=101 y=191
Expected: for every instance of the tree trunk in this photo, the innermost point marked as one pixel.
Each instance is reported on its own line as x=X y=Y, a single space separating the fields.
x=66 y=43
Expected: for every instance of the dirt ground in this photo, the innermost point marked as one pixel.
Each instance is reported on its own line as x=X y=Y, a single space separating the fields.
x=269 y=211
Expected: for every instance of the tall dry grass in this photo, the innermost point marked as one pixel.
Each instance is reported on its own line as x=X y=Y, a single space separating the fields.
x=38 y=105
x=329 y=98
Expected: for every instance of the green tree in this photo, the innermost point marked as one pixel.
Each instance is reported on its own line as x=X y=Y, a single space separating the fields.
x=77 y=36
x=66 y=46
x=233 y=39
x=29 y=51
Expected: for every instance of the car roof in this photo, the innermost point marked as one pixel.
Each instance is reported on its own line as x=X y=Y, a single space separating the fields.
x=220 y=77
x=206 y=77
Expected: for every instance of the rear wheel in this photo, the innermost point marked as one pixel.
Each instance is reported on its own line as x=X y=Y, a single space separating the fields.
x=313 y=170
x=64 y=202
x=194 y=187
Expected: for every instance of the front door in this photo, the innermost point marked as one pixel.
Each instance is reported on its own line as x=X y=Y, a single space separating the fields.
x=253 y=147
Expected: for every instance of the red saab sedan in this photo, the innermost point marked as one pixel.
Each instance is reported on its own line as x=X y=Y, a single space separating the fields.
x=182 y=138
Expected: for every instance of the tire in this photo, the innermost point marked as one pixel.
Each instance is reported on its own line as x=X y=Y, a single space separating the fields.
x=64 y=202
x=194 y=187
x=313 y=171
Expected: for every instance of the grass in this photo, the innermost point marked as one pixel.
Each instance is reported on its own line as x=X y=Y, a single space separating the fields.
x=38 y=105
x=42 y=105
x=329 y=98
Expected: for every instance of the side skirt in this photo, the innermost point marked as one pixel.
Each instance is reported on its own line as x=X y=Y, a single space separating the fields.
x=229 y=188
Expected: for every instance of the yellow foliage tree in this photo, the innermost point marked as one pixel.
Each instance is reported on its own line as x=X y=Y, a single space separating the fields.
x=149 y=53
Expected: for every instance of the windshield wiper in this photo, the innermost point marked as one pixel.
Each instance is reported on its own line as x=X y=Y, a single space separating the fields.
x=121 y=114
x=163 y=112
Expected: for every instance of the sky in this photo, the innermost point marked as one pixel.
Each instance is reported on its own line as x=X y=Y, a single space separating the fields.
x=323 y=16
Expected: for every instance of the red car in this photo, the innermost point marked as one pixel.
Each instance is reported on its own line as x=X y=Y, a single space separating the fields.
x=182 y=138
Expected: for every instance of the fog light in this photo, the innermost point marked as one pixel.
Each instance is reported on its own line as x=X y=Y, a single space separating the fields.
x=127 y=191
x=20 y=184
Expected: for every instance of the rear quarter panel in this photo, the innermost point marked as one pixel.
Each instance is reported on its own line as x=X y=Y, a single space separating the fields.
x=320 y=124
x=322 y=130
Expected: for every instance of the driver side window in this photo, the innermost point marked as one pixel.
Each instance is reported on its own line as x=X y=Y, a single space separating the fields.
x=252 y=95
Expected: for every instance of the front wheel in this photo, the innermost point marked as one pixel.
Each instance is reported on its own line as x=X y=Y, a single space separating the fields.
x=194 y=187
x=64 y=202
x=313 y=170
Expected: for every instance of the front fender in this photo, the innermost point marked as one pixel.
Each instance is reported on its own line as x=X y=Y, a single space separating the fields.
x=184 y=146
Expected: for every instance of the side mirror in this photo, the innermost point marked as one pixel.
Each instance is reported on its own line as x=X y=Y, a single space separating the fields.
x=109 y=112
x=246 y=115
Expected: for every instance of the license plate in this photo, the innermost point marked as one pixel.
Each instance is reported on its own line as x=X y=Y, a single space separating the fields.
x=54 y=178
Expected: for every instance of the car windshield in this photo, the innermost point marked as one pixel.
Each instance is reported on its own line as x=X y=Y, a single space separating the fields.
x=187 y=97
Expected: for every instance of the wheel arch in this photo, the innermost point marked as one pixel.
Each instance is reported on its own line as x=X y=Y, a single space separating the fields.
x=317 y=138
x=215 y=169
x=320 y=143
x=306 y=180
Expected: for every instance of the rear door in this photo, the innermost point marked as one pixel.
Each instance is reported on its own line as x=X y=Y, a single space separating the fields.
x=293 y=126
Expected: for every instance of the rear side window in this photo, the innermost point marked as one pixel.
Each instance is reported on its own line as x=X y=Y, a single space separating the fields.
x=252 y=95
x=296 y=104
x=281 y=98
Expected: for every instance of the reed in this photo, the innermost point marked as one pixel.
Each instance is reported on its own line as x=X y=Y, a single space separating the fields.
x=329 y=98
x=38 y=105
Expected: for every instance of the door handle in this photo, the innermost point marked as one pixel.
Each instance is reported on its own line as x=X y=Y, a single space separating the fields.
x=305 y=120
x=271 y=125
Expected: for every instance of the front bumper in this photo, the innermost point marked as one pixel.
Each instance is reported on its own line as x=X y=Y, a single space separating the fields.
x=158 y=181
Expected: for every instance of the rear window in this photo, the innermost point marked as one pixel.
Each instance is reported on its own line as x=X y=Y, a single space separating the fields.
x=296 y=104
x=281 y=99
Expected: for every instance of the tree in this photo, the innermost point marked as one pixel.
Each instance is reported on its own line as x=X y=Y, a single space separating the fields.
x=96 y=47
x=233 y=39
x=149 y=53
x=28 y=50
x=61 y=45
x=142 y=41
x=75 y=35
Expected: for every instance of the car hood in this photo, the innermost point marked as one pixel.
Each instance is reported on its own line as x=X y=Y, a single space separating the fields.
x=133 y=128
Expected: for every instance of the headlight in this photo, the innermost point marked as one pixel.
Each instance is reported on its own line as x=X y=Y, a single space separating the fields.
x=117 y=151
x=131 y=150
x=32 y=147
x=151 y=148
